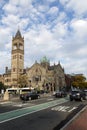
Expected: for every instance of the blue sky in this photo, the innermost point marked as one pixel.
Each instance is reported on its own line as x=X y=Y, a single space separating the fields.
x=56 y=29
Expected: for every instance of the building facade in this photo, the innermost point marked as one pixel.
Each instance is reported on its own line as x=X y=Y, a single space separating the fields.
x=40 y=75
x=44 y=76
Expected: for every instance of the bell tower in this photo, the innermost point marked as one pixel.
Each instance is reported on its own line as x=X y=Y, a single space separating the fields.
x=17 y=58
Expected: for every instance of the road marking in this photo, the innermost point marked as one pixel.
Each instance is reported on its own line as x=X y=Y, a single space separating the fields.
x=28 y=110
x=72 y=109
x=23 y=104
x=7 y=102
x=50 y=99
x=63 y=108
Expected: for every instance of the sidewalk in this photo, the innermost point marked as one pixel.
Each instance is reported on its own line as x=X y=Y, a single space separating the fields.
x=79 y=122
x=17 y=98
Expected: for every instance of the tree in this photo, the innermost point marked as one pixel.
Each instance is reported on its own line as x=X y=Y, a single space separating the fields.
x=23 y=81
x=80 y=78
x=79 y=81
x=2 y=86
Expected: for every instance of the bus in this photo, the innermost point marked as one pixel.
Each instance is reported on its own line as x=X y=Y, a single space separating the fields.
x=12 y=90
x=25 y=90
x=19 y=90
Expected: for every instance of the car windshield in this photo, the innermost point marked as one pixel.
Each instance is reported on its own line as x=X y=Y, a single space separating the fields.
x=74 y=92
x=33 y=92
x=85 y=91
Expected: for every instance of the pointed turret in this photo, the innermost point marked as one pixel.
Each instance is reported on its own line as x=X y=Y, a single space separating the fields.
x=18 y=34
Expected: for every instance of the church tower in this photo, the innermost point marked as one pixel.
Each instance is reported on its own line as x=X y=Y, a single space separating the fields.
x=17 y=58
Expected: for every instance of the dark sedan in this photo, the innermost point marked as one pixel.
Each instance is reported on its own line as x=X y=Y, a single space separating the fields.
x=29 y=96
x=60 y=94
x=76 y=95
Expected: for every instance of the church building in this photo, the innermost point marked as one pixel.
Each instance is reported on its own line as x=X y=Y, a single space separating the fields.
x=40 y=75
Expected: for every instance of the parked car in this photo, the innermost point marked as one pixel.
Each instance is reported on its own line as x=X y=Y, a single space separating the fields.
x=29 y=96
x=60 y=94
x=76 y=95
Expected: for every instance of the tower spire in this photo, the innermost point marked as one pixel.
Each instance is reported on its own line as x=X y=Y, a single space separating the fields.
x=18 y=34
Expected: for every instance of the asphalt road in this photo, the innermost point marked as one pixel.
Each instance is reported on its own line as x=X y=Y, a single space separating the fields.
x=42 y=114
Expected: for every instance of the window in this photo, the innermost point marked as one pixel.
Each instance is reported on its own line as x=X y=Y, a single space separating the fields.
x=20 y=70
x=20 y=56
x=20 y=46
x=37 y=78
x=13 y=69
x=14 y=79
x=14 y=57
x=15 y=46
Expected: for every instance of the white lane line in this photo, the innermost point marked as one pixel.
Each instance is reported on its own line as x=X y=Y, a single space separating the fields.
x=24 y=104
x=5 y=102
x=50 y=99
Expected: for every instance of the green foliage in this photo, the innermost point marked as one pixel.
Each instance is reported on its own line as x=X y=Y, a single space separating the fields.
x=2 y=86
x=23 y=81
x=79 y=78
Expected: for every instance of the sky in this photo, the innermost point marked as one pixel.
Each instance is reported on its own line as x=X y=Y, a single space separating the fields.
x=56 y=29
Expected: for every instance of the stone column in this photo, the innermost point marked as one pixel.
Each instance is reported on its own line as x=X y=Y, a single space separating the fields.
x=6 y=96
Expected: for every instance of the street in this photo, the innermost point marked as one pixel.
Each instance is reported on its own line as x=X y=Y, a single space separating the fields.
x=42 y=114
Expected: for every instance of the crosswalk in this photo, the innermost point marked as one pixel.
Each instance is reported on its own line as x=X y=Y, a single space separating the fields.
x=64 y=108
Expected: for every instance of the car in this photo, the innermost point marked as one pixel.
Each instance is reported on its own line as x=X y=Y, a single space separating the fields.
x=76 y=95
x=60 y=94
x=29 y=96
x=85 y=94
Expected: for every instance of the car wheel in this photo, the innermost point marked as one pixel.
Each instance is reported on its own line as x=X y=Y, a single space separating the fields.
x=25 y=99
x=71 y=99
x=85 y=97
x=61 y=96
x=81 y=99
x=29 y=98
x=38 y=97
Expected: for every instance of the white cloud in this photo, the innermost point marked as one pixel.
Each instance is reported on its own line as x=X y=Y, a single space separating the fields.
x=53 y=11
x=80 y=28
x=78 y=6
x=21 y=3
x=10 y=20
x=5 y=60
x=10 y=9
x=60 y=30
x=5 y=37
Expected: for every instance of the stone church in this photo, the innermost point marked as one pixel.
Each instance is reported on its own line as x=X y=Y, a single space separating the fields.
x=40 y=75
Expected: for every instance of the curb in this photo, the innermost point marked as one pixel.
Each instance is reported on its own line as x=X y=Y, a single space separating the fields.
x=73 y=118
